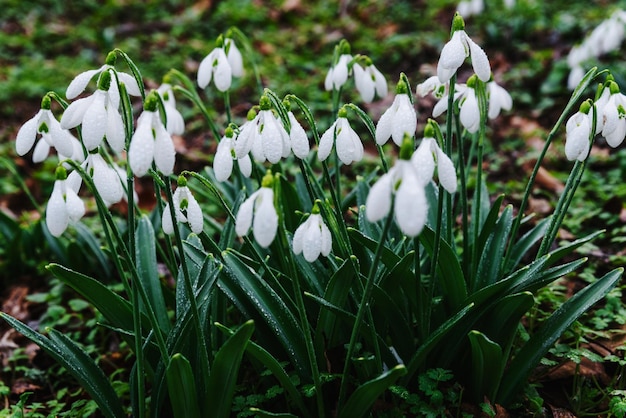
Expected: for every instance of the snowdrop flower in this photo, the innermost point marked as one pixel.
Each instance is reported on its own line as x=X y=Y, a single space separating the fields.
x=369 y=81
x=402 y=185
x=106 y=179
x=611 y=114
x=99 y=117
x=312 y=238
x=225 y=157
x=64 y=206
x=258 y=212
x=79 y=83
x=467 y=8
x=52 y=135
x=578 y=133
x=77 y=154
x=347 y=143
x=457 y=50
x=441 y=91
x=298 y=139
x=186 y=210
x=400 y=119
x=175 y=124
x=469 y=113
x=263 y=135
x=219 y=66
x=338 y=74
x=499 y=99
x=428 y=155
x=151 y=142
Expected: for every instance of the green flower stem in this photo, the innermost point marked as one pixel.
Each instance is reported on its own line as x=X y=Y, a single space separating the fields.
x=481 y=96
x=188 y=287
x=363 y=306
x=227 y=106
x=575 y=97
x=369 y=123
x=190 y=92
x=448 y=150
x=247 y=47
x=463 y=196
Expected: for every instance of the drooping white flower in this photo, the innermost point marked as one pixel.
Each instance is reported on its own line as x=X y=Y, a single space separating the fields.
x=225 y=157
x=369 y=82
x=399 y=119
x=499 y=99
x=467 y=8
x=312 y=238
x=402 y=185
x=52 y=135
x=80 y=82
x=258 y=212
x=99 y=117
x=298 y=138
x=220 y=66
x=186 y=210
x=577 y=134
x=440 y=91
x=611 y=117
x=347 y=143
x=428 y=155
x=106 y=179
x=460 y=47
x=151 y=142
x=469 y=113
x=64 y=207
x=338 y=74
x=175 y=123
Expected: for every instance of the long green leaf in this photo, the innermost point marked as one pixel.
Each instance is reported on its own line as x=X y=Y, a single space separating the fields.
x=182 y=388
x=491 y=255
x=487 y=365
x=77 y=363
x=148 y=273
x=360 y=402
x=224 y=371
x=539 y=344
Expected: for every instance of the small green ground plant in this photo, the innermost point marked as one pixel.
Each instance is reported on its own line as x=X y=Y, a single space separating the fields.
x=338 y=290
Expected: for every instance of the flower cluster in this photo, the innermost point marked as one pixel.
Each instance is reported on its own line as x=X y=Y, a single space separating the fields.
x=222 y=64
x=606 y=37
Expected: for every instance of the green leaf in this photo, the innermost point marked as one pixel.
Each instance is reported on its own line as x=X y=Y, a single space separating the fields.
x=388 y=257
x=539 y=344
x=88 y=239
x=487 y=364
x=489 y=225
x=224 y=371
x=182 y=388
x=148 y=271
x=257 y=300
x=493 y=252
x=77 y=363
x=360 y=402
x=526 y=242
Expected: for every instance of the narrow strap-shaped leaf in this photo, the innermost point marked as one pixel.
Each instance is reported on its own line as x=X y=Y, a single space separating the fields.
x=360 y=402
x=182 y=388
x=388 y=257
x=147 y=270
x=523 y=245
x=225 y=370
x=487 y=364
x=532 y=352
x=490 y=223
x=87 y=238
x=77 y=363
x=491 y=254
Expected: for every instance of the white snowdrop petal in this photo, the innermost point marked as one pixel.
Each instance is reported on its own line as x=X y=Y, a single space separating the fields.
x=106 y=180
x=265 y=223
x=577 y=141
x=164 y=152
x=74 y=205
x=141 y=152
x=79 y=83
x=480 y=62
x=326 y=142
x=411 y=208
x=616 y=137
x=130 y=83
x=385 y=124
x=257 y=147
x=223 y=161
x=75 y=112
x=95 y=121
x=74 y=180
x=26 y=135
x=423 y=161
x=440 y=107
x=328 y=81
x=380 y=83
x=271 y=137
x=298 y=237
x=57 y=218
x=175 y=121
x=378 y=201
x=115 y=134
x=245 y=165
x=205 y=70
x=364 y=83
x=469 y=113
x=452 y=56
x=243 y=221
x=194 y=214
x=244 y=141
x=446 y=171
x=405 y=120
x=60 y=138
x=223 y=74
x=42 y=149
x=312 y=241
x=345 y=145
x=166 y=220
x=298 y=138
x=234 y=58
x=327 y=239
x=340 y=72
